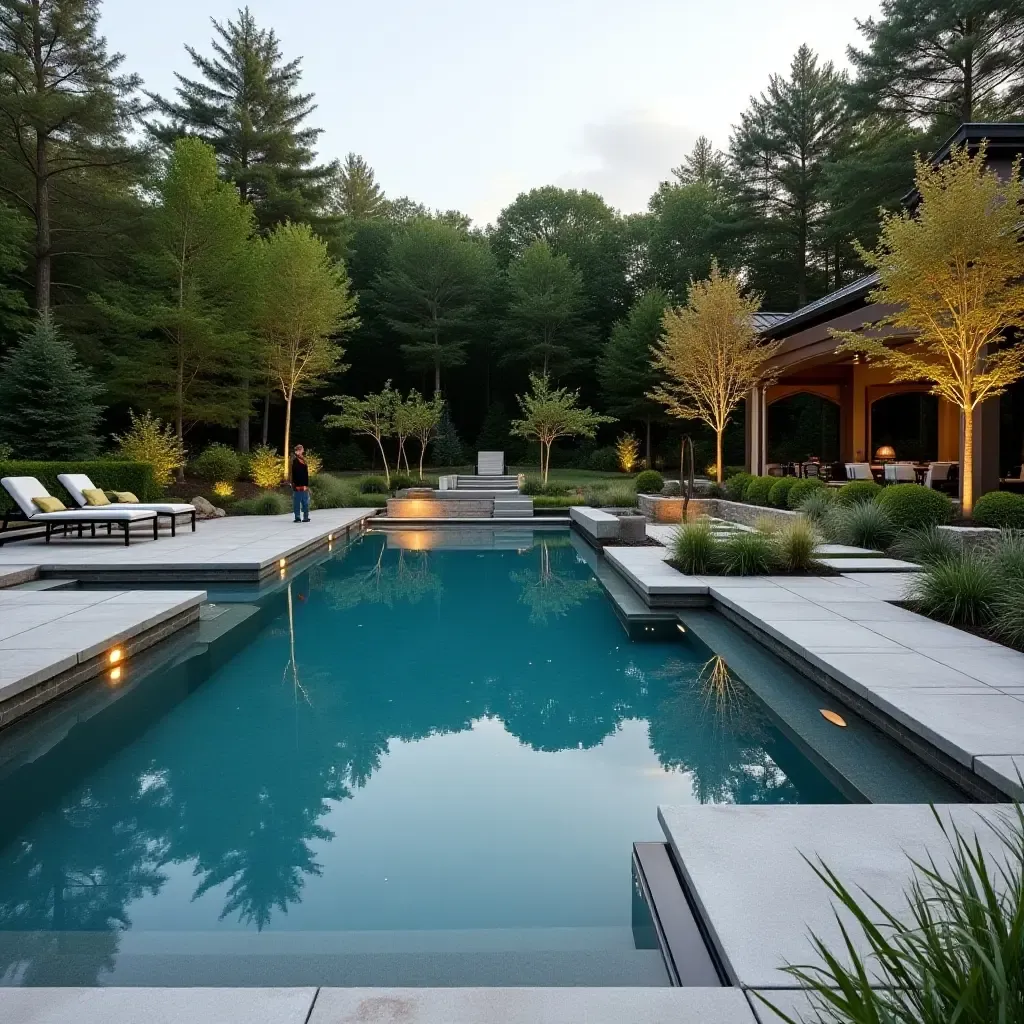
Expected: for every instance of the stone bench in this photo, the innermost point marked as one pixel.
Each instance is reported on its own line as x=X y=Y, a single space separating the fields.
x=600 y=527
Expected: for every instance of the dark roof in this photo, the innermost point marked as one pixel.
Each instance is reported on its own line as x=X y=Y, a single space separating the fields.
x=762 y=320
x=850 y=296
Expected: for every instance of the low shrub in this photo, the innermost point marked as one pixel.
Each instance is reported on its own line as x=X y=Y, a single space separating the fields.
x=650 y=481
x=612 y=497
x=863 y=524
x=925 y=546
x=399 y=481
x=603 y=460
x=817 y=505
x=374 y=485
x=802 y=489
x=314 y=463
x=747 y=554
x=911 y=506
x=217 y=462
x=794 y=545
x=332 y=492
x=266 y=467
x=758 y=489
x=151 y=441
x=736 y=485
x=715 y=491
x=728 y=472
x=963 y=590
x=857 y=491
x=107 y=474
x=1008 y=623
x=1001 y=509
x=370 y=501
x=269 y=504
x=555 y=500
x=778 y=496
x=693 y=548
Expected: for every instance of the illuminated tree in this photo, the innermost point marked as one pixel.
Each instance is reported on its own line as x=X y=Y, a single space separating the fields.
x=550 y=413
x=627 y=448
x=710 y=355
x=422 y=419
x=372 y=416
x=953 y=273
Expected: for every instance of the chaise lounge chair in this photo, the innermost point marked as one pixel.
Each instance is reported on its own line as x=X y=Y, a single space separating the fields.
x=23 y=489
x=76 y=484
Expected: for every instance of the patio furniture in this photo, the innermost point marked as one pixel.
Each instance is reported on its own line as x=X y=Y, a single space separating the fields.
x=23 y=489
x=937 y=474
x=76 y=484
x=900 y=473
x=859 y=471
x=1013 y=483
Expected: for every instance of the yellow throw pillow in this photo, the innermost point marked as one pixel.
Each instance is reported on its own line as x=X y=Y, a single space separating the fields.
x=126 y=498
x=49 y=504
x=94 y=496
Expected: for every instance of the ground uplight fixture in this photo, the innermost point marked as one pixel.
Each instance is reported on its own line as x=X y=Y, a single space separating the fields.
x=115 y=655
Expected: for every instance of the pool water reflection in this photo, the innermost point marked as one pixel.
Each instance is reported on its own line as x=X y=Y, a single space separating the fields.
x=420 y=754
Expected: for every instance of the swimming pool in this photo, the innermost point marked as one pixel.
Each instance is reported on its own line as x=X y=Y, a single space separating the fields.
x=401 y=767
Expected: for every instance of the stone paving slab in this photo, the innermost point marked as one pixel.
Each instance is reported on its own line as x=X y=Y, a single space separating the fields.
x=866 y=564
x=1004 y=772
x=794 y=1003
x=760 y=898
x=240 y=547
x=14 y=574
x=47 y=637
x=157 y=1005
x=532 y=1006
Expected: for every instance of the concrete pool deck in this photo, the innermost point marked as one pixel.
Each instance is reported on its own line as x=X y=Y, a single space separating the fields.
x=945 y=689
x=232 y=549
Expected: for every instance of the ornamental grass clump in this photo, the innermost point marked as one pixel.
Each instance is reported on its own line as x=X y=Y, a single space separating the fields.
x=863 y=525
x=954 y=953
x=269 y=504
x=794 y=546
x=332 y=492
x=817 y=505
x=925 y=546
x=694 y=547
x=963 y=590
x=747 y=554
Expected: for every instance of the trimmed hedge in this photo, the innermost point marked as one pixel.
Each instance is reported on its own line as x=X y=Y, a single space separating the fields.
x=107 y=474
x=858 y=490
x=650 y=481
x=799 y=491
x=1001 y=509
x=758 y=489
x=778 y=496
x=218 y=463
x=736 y=484
x=912 y=506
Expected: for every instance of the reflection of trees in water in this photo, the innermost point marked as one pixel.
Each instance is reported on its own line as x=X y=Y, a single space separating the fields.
x=409 y=579
x=244 y=805
x=712 y=726
x=548 y=593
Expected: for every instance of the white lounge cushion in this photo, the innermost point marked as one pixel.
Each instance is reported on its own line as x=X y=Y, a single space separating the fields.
x=77 y=483
x=24 y=488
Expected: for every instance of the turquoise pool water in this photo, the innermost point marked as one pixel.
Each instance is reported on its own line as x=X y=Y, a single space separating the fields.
x=402 y=767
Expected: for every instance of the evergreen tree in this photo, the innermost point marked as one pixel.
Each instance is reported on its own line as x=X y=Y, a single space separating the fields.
x=435 y=279
x=48 y=407
x=14 y=233
x=705 y=165
x=357 y=196
x=544 y=310
x=625 y=369
x=64 y=112
x=780 y=151
x=191 y=355
x=937 y=63
x=247 y=106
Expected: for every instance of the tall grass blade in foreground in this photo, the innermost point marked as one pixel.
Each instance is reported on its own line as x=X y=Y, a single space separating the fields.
x=963 y=590
x=956 y=958
x=693 y=548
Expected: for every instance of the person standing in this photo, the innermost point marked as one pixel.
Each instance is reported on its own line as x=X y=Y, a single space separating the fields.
x=300 y=485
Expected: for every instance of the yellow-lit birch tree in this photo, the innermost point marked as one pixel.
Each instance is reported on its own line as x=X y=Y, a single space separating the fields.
x=953 y=269
x=710 y=356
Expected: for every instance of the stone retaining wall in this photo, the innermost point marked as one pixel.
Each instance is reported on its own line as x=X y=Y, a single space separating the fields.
x=440 y=508
x=670 y=510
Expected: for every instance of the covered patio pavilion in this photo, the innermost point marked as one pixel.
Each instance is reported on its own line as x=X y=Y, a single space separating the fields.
x=842 y=409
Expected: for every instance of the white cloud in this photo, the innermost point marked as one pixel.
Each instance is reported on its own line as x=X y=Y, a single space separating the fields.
x=627 y=155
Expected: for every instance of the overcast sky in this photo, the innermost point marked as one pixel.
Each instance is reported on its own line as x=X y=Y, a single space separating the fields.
x=465 y=103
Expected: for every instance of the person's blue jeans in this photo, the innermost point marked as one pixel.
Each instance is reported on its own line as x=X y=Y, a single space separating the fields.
x=300 y=504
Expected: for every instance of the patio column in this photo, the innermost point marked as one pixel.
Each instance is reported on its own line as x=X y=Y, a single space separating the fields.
x=756 y=443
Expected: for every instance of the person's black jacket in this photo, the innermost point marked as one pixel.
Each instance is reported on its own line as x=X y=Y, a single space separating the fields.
x=300 y=473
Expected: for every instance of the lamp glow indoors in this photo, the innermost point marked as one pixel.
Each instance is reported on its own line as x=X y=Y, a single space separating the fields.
x=885 y=454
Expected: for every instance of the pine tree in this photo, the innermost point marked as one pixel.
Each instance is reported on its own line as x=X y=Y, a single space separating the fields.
x=357 y=196
x=64 y=113
x=705 y=165
x=14 y=233
x=545 y=310
x=247 y=106
x=780 y=150
x=939 y=63
x=435 y=279
x=48 y=407
x=625 y=370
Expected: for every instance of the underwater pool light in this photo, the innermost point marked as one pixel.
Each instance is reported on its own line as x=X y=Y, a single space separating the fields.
x=281 y=563
x=115 y=655
x=115 y=674
x=831 y=716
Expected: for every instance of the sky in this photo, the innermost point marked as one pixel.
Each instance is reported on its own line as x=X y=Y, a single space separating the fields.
x=463 y=104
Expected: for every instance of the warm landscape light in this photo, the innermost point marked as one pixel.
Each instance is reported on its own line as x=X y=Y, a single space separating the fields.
x=330 y=536
x=115 y=674
x=831 y=716
x=115 y=655
x=280 y=563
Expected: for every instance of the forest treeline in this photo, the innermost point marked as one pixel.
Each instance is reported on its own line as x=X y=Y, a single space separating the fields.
x=560 y=283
